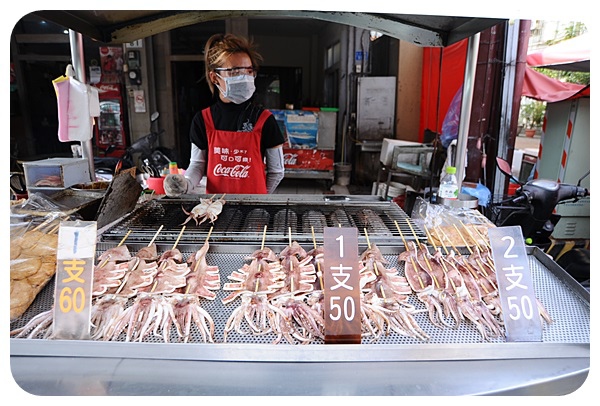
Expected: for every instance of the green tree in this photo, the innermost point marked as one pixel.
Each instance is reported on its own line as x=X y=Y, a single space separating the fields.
x=581 y=78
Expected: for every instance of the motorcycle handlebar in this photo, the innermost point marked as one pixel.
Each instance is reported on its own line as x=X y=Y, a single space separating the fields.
x=566 y=192
x=561 y=192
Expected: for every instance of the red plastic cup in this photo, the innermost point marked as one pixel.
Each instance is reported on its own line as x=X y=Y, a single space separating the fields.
x=156 y=184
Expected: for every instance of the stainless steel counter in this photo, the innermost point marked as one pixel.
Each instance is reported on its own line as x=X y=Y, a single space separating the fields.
x=451 y=363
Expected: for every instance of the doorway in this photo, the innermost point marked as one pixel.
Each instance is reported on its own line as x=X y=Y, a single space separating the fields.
x=191 y=96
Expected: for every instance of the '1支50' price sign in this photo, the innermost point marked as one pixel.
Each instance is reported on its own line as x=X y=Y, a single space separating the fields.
x=342 y=290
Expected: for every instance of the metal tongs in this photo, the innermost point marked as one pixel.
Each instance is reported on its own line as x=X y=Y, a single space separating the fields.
x=150 y=170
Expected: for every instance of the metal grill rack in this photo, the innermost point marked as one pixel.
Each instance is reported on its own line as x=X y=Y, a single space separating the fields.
x=243 y=220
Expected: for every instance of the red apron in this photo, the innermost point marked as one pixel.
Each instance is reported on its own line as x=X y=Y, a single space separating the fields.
x=235 y=164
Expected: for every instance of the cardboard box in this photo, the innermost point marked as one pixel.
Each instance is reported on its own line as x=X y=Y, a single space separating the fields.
x=387 y=149
x=56 y=172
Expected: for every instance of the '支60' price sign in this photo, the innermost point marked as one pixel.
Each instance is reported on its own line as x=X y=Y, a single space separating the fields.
x=342 y=291
x=74 y=275
x=519 y=303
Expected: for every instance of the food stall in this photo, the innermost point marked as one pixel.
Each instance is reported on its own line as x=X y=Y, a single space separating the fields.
x=230 y=349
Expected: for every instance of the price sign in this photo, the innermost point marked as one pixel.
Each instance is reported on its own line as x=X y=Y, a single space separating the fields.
x=519 y=302
x=342 y=290
x=74 y=275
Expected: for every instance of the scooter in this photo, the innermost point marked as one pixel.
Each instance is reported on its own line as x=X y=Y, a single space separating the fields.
x=150 y=158
x=144 y=154
x=532 y=207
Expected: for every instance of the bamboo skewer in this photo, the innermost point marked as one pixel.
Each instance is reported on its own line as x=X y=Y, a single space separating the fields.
x=118 y=245
x=319 y=272
x=410 y=256
x=262 y=246
x=178 y=237
x=448 y=253
x=442 y=260
x=53 y=229
x=467 y=265
x=401 y=235
x=488 y=247
x=369 y=245
x=164 y=264
x=483 y=238
x=126 y=277
x=441 y=241
x=205 y=241
x=470 y=234
x=46 y=223
x=374 y=264
x=437 y=284
x=481 y=267
x=291 y=263
x=208 y=235
x=155 y=235
x=124 y=238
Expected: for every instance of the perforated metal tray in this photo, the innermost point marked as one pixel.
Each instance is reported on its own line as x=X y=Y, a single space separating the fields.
x=565 y=300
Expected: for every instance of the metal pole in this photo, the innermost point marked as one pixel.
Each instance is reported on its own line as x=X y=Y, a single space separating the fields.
x=512 y=48
x=465 y=110
x=76 y=41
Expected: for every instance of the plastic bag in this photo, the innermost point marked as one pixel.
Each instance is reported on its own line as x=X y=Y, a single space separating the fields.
x=32 y=260
x=78 y=104
x=451 y=227
x=451 y=120
x=481 y=192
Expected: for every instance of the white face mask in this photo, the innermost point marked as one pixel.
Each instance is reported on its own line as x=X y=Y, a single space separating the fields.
x=238 y=88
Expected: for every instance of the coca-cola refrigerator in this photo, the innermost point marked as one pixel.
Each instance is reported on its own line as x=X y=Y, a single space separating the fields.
x=110 y=133
x=309 y=145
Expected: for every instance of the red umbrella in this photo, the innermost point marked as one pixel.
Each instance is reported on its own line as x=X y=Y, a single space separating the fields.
x=569 y=55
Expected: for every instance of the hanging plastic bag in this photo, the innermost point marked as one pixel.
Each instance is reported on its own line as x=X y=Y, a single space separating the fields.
x=451 y=121
x=78 y=104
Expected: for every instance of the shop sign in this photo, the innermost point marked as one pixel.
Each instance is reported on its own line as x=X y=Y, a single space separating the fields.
x=74 y=276
x=342 y=286
x=519 y=303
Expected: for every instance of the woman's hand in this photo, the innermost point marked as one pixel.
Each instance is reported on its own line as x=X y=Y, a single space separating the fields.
x=176 y=185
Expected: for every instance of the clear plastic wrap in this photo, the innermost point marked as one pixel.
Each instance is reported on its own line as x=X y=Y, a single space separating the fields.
x=33 y=243
x=458 y=227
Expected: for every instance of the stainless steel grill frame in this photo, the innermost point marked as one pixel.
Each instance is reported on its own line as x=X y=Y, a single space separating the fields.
x=243 y=218
x=452 y=361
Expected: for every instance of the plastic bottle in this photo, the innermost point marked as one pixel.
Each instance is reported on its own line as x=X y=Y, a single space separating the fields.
x=449 y=184
x=173 y=167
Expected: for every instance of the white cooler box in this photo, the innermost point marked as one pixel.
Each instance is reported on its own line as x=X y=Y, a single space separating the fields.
x=56 y=173
x=387 y=150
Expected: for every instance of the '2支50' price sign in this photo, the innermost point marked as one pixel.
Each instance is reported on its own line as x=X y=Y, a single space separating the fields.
x=517 y=295
x=342 y=290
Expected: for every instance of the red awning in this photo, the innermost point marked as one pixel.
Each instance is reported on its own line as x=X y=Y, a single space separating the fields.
x=569 y=55
x=541 y=87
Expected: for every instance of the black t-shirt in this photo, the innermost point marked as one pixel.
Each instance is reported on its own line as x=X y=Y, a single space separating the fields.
x=236 y=117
